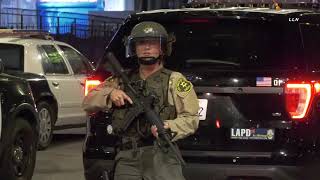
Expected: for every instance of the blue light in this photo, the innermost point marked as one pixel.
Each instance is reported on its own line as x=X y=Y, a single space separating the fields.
x=69 y=3
x=63 y=5
x=61 y=16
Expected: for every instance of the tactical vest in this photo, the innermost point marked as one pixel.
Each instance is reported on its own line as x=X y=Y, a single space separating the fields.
x=157 y=85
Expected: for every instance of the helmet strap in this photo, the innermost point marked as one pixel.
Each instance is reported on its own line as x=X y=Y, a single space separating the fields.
x=149 y=60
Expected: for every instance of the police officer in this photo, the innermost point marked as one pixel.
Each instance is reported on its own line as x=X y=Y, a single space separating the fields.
x=140 y=156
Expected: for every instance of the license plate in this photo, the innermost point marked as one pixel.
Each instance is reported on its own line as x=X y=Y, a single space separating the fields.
x=202 y=113
x=252 y=134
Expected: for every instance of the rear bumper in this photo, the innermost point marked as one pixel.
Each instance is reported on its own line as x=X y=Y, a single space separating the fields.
x=236 y=172
x=193 y=171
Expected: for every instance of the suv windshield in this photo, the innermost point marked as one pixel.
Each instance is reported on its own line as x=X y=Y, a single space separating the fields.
x=12 y=56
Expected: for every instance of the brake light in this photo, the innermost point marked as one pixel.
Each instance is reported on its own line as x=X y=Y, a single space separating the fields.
x=218 y=123
x=298 y=99
x=90 y=84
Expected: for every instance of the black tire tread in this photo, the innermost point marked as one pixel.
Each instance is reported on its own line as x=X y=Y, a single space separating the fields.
x=6 y=170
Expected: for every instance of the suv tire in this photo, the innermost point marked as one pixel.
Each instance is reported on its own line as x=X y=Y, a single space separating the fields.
x=46 y=121
x=19 y=156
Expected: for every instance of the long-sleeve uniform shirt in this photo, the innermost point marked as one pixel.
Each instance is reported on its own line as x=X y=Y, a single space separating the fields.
x=180 y=94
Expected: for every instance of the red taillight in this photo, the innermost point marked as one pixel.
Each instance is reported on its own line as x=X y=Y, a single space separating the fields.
x=298 y=99
x=90 y=84
x=218 y=123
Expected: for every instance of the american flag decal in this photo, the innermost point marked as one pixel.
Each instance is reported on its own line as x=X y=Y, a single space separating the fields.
x=264 y=81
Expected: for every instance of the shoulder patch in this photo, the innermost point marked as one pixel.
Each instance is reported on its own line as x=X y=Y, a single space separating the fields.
x=183 y=85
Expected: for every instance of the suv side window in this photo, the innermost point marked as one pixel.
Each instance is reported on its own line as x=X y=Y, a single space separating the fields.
x=12 y=56
x=79 y=63
x=52 y=61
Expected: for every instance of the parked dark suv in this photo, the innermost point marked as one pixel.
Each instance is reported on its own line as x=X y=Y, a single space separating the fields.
x=19 y=128
x=256 y=72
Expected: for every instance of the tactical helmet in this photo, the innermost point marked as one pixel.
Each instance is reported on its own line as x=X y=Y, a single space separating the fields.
x=148 y=30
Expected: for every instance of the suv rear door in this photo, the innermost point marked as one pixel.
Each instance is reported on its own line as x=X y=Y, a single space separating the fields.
x=63 y=84
x=81 y=69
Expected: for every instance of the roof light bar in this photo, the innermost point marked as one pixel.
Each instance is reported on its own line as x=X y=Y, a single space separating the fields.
x=25 y=33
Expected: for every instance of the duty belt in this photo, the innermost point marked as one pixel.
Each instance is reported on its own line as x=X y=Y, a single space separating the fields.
x=134 y=143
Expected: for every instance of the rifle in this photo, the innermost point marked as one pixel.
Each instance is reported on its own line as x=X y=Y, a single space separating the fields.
x=142 y=107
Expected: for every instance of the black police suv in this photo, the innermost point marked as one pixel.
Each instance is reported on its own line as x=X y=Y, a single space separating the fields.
x=256 y=72
x=19 y=128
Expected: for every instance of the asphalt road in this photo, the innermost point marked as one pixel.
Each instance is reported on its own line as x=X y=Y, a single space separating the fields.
x=62 y=160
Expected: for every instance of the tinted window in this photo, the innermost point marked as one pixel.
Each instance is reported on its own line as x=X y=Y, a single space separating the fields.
x=12 y=56
x=234 y=44
x=52 y=61
x=222 y=43
x=79 y=63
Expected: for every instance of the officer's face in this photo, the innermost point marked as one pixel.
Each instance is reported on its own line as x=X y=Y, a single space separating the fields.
x=148 y=48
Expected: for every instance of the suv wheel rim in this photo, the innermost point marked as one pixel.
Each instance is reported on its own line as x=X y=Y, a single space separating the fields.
x=45 y=125
x=20 y=154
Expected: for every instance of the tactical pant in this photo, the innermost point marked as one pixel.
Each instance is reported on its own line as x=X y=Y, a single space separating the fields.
x=147 y=163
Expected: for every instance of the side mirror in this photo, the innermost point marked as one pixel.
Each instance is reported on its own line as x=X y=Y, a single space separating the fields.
x=1 y=66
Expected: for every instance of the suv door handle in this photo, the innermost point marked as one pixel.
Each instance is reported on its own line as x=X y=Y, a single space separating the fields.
x=55 y=84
